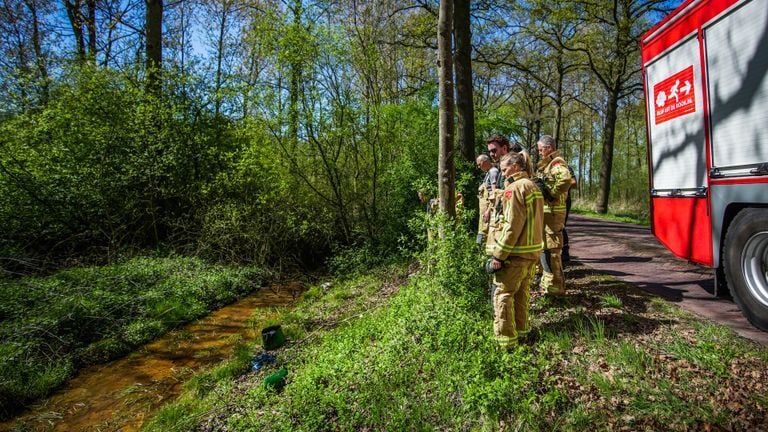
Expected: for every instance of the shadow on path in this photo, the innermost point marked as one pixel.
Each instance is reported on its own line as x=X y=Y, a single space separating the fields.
x=631 y=253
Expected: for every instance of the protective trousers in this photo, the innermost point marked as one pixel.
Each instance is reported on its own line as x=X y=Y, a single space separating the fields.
x=552 y=279
x=511 y=300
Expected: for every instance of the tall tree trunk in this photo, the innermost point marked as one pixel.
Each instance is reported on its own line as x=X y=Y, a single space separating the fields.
x=154 y=48
x=445 y=164
x=464 y=94
x=183 y=48
x=558 y=105
x=590 y=155
x=40 y=60
x=539 y=115
x=580 y=169
x=75 y=14
x=108 y=46
x=296 y=72
x=90 y=24
x=220 y=58
x=609 y=131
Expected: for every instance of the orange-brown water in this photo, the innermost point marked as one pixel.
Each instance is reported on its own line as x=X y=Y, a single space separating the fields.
x=120 y=395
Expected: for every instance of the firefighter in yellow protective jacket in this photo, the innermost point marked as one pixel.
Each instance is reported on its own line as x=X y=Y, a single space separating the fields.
x=516 y=251
x=556 y=178
x=498 y=147
x=484 y=191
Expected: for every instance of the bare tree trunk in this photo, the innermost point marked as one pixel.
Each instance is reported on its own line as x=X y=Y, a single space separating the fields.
x=220 y=58
x=580 y=169
x=40 y=60
x=90 y=24
x=558 y=105
x=539 y=115
x=114 y=13
x=609 y=131
x=296 y=72
x=590 y=155
x=108 y=46
x=445 y=167
x=154 y=48
x=183 y=48
x=464 y=95
x=75 y=14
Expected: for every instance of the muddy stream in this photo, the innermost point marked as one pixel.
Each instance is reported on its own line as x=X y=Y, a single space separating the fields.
x=122 y=394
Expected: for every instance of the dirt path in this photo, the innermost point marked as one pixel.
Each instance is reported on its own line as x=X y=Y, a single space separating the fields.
x=631 y=253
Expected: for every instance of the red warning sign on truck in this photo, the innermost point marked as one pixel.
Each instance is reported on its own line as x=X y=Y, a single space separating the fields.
x=674 y=96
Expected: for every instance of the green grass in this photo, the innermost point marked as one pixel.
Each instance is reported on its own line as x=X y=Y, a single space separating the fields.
x=630 y=212
x=633 y=218
x=52 y=326
x=611 y=301
x=384 y=352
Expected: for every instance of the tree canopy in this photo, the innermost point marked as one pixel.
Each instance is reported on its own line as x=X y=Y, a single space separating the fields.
x=280 y=132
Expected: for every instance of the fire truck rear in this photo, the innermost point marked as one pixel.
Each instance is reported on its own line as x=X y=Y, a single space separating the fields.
x=705 y=70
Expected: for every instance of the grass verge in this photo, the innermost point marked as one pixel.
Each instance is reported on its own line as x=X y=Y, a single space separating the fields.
x=629 y=211
x=633 y=218
x=52 y=326
x=383 y=351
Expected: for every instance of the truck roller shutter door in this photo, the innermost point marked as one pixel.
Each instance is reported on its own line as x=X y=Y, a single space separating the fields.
x=676 y=120
x=737 y=71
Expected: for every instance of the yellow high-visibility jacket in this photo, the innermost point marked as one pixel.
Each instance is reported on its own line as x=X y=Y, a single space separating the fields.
x=557 y=178
x=522 y=223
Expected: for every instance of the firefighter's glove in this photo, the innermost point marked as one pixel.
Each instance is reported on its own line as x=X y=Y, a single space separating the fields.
x=543 y=188
x=489 y=267
x=480 y=239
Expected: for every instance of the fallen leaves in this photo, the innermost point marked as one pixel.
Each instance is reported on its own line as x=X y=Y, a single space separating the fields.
x=688 y=381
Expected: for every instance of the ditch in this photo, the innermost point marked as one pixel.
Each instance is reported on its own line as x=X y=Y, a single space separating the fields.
x=122 y=394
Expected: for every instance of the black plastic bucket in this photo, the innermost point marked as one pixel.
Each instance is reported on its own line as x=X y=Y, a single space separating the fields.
x=272 y=337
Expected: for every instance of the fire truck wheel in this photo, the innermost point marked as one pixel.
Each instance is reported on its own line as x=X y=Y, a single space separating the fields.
x=745 y=260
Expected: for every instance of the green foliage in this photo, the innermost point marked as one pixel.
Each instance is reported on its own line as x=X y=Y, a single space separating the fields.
x=457 y=262
x=51 y=326
x=352 y=262
x=504 y=120
x=105 y=169
x=100 y=166
x=638 y=215
x=611 y=301
x=423 y=359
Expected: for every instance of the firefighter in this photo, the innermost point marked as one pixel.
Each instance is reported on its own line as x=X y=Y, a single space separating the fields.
x=517 y=148
x=498 y=147
x=554 y=178
x=516 y=251
x=484 y=191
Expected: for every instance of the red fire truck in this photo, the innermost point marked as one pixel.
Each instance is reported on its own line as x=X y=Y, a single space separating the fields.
x=705 y=70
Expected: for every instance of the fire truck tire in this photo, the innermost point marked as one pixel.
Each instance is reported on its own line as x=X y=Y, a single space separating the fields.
x=745 y=260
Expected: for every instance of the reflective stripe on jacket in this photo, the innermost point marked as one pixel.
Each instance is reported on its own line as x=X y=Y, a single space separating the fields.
x=522 y=224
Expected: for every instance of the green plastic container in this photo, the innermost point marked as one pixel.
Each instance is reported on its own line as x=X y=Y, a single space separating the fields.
x=276 y=380
x=272 y=337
